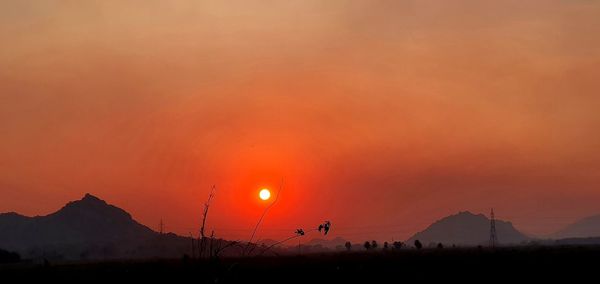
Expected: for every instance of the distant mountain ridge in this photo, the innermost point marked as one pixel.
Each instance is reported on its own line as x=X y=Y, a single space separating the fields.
x=91 y=228
x=327 y=243
x=588 y=227
x=467 y=229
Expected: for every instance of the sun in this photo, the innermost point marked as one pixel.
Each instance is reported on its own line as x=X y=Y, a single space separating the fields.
x=264 y=194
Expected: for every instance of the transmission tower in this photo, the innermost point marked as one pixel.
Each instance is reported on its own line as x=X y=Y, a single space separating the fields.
x=162 y=226
x=493 y=235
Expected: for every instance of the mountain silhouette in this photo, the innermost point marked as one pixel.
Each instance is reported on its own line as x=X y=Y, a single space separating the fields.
x=89 y=220
x=467 y=229
x=584 y=228
x=86 y=228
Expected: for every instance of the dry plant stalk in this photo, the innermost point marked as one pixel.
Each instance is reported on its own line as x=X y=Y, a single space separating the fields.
x=202 y=245
x=322 y=228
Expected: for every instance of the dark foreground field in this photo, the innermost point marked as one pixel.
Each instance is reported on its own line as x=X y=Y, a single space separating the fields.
x=573 y=264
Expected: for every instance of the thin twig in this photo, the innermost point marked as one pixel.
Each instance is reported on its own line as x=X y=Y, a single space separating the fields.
x=283 y=241
x=265 y=213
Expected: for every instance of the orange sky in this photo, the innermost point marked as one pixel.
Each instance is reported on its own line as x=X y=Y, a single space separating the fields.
x=381 y=116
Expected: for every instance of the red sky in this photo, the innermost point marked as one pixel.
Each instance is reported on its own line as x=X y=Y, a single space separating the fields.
x=381 y=116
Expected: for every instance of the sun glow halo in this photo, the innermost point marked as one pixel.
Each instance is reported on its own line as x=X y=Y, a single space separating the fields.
x=264 y=194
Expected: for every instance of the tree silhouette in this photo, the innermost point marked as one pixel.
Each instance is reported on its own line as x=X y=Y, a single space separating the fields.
x=374 y=244
x=440 y=246
x=418 y=244
x=367 y=245
x=386 y=245
x=9 y=257
x=398 y=245
x=348 y=246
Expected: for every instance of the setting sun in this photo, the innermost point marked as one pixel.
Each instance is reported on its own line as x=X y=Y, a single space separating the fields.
x=264 y=194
